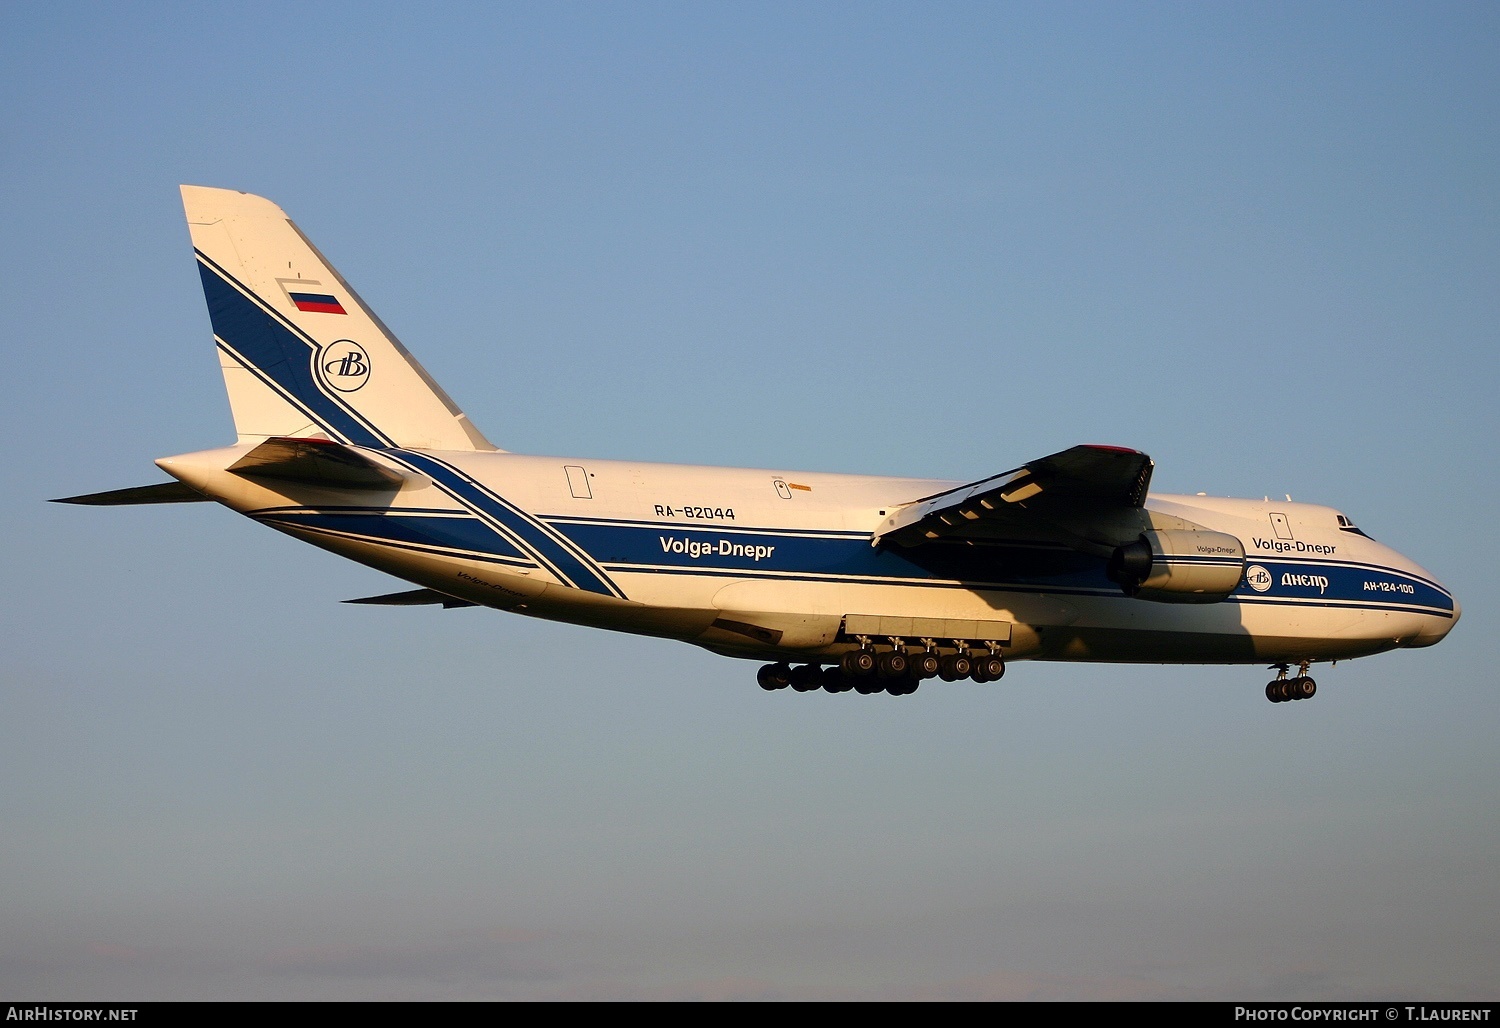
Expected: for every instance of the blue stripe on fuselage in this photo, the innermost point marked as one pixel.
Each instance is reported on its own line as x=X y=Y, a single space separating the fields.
x=547 y=547
x=808 y=555
x=455 y=531
x=721 y=550
x=1320 y=582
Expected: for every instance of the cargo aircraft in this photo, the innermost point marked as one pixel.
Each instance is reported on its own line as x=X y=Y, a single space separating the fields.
x=836 y=582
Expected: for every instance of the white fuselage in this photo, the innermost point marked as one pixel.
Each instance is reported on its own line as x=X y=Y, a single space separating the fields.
x=779 y=565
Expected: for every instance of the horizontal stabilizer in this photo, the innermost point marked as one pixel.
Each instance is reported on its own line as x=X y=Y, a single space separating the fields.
x=162 y=492
x=414 y=598
x=317 y=461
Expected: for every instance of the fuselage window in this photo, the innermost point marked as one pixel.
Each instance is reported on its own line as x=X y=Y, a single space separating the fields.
x=578 y=483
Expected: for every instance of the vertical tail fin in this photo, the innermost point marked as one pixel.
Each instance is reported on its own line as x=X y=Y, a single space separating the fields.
x=302 y=355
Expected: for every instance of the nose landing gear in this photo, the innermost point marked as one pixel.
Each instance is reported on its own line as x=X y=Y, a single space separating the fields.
x=1299 y=687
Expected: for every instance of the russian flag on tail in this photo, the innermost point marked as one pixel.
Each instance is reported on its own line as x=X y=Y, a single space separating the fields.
x=320 y=303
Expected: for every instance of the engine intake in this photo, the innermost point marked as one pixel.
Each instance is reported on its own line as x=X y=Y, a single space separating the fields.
x=1179 y=566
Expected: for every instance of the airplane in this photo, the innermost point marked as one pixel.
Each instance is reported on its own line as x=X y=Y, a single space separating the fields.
x=837 y=582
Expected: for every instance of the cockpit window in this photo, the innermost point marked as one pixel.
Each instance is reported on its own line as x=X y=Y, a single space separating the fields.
x=1345 y=525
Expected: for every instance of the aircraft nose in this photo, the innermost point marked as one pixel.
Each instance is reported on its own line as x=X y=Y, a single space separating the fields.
x=1435 y=628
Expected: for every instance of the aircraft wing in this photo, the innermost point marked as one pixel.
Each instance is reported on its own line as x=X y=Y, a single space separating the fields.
x=1088 y=496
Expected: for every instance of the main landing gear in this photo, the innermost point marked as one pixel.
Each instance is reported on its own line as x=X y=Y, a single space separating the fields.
x=1299 y=687
x=897 y=671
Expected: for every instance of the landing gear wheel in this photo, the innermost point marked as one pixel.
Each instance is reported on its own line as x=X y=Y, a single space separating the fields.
x=858 y=662
x=1304 y=688
x=807 y=677
x=892 y=664
x=774 y=676
x=834 y=680
x=1273 y=692
x=868 y=685
x=993 y=666
x=925 y=665
x=955 y=666
x=902 y=686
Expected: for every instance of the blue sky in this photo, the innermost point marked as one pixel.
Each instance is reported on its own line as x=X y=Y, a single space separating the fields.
x=1258 y=242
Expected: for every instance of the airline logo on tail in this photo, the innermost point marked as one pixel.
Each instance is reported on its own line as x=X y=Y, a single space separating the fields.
x=343 y=365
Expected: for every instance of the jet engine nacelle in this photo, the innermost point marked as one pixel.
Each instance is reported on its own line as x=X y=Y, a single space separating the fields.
x=1179 y=566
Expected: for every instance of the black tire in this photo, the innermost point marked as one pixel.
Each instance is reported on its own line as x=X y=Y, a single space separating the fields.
x=868 y=686
x=774 y=676
x=1305 y=689
x=834 y=680
x=807 y=677
x=925 y=665
x=858 y=662
x=993 y=665
x=893 y=664
x=1273 y=692
x=955 y=666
